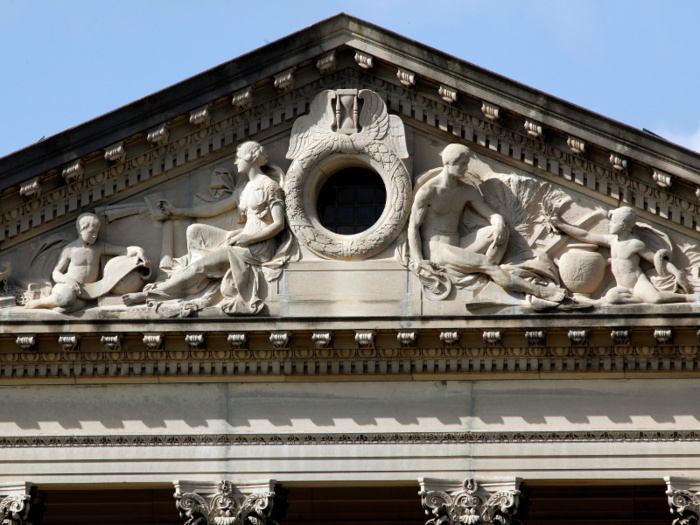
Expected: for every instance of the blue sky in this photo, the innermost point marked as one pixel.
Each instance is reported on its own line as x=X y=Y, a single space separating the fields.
x=65 y=62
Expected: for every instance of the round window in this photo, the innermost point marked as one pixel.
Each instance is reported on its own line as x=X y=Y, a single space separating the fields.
x=351 y=201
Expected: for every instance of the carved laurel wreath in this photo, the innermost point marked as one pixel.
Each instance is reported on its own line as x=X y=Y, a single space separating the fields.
x=378 y=136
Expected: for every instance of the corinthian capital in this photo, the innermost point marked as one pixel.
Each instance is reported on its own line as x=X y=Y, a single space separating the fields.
x=226 y=503
x=469 y=502
x=14 y=503
x=684 y=499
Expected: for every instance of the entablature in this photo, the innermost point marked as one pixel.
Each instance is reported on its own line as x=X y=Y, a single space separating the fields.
x=342 y=354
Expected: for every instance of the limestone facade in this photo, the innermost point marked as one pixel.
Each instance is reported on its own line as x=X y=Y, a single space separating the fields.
x=184 y=298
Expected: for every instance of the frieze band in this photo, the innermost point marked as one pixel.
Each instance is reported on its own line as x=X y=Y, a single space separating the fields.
x=406 y=438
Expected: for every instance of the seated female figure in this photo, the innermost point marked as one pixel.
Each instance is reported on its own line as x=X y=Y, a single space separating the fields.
x=224 y=266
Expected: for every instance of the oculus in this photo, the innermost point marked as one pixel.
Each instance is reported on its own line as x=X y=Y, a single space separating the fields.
x=351 y=201
x=346 y=128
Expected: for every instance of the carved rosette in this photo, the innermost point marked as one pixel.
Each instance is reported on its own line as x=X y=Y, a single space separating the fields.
x=14 y=509
x=353 y=123
x=226 y=507
x=470 y=506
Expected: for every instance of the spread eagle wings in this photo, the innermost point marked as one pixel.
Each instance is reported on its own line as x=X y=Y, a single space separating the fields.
x=377 y=124
x=317 y=124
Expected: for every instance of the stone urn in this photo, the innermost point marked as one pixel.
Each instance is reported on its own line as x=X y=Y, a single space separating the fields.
x=582 y=269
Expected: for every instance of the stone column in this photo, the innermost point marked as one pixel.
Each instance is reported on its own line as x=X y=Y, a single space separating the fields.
x=453 y=502
x=684 y=499
x=227 y=502
x=14 y=503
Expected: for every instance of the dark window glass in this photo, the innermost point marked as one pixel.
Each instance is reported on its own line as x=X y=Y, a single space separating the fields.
x=351 y=201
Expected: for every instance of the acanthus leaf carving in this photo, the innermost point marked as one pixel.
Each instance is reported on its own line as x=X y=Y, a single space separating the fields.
x=227 y=506
x=471 y=505
x=14 y=509
x=683 y=500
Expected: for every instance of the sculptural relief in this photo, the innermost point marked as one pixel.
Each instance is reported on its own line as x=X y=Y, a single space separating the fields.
x=355 y=123
x=225 y=267
x=77 y=273
x=630 y=244
x=454 y=236
x=475 y=232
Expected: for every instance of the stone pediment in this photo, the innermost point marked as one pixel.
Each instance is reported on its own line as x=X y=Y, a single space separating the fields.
x=165 y=187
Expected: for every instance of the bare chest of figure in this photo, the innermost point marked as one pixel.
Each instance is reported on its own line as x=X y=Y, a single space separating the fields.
x=449 y=201
x=446 y=207
x=626 y=249
x=625 y=260
x=84 y=264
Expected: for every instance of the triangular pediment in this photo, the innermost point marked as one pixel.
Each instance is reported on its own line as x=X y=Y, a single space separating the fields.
x=534 y=156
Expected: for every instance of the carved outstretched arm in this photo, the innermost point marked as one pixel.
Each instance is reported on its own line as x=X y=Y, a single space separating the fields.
x=209 y=209
x=277 y=225
x=579 y=233
x=418 y=213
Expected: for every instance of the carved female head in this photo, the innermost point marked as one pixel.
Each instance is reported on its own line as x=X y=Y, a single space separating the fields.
x=249 y=154
x=622 y=219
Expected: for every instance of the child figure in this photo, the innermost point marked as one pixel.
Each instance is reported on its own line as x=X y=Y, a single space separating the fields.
x=79 y=264
x=626 y=252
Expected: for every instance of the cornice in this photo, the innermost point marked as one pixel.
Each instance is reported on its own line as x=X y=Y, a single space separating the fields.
x=274 y=115
x=316 y=40
x=289 y=356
